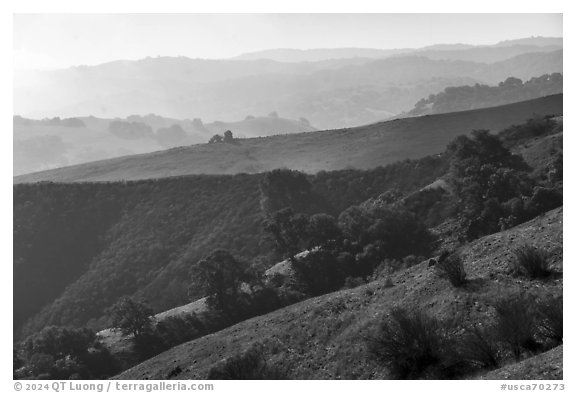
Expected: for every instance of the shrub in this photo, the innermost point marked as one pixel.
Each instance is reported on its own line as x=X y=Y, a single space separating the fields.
x=515 y=324
x=249 y=365
x=411 y=344
x=177 y=329
x=532 y=262
x=551 y=319
x=452 y=268
x=319 y=272
x=479 y=348
x=542 y=200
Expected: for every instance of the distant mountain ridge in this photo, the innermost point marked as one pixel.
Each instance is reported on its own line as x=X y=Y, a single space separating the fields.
x=291 y=55
x=330 y=94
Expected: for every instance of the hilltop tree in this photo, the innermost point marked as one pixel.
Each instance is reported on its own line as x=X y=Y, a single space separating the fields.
x=228 y=137
x=131 y=317
x=216 y=139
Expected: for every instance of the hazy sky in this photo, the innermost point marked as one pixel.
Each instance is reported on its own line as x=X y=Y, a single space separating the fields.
x=62 y=40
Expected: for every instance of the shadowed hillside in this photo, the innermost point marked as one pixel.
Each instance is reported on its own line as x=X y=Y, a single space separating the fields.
x=79 y=247
x=362 y=147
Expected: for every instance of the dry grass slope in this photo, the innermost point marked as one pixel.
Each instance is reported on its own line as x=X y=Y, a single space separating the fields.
x=324 y=337
x=362 y=147
x=545 y=366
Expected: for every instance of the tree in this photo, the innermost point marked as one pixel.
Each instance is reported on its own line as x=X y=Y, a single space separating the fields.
x=228 y=137
x=285 y=188
x=131 y=317
x=216 y=139
x=354 y=224
x=485 y=176
x=288 y=231
x=323 y=231
x=273 y=115
x=220 y=275
x=392 y=232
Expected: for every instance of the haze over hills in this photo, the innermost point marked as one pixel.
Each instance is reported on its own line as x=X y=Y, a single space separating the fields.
x=187 y=205
x=523 y=45
x=363 y=147
x=330 y=92
x=50 y=143
x=313 y=55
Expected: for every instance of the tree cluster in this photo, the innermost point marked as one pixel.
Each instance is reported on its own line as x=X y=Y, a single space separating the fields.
x=494 y=187
x=228 y=137
x=63 y=353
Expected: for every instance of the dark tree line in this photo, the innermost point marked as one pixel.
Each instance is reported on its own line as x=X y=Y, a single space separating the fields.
x=462 y=98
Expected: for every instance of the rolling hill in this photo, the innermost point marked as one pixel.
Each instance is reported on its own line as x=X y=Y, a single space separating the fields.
x=47 y=144
x=362 y=147
x=326 y=337
x=459 y=98
x=78 y=247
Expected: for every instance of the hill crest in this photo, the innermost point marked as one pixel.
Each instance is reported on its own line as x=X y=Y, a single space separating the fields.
x=364 y=147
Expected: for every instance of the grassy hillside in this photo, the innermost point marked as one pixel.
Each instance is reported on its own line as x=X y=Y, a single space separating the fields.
x=326 y=337
x=79 y=247
x=252 y=127
x=548 y=365
x=46 y=144
x=362 y=147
